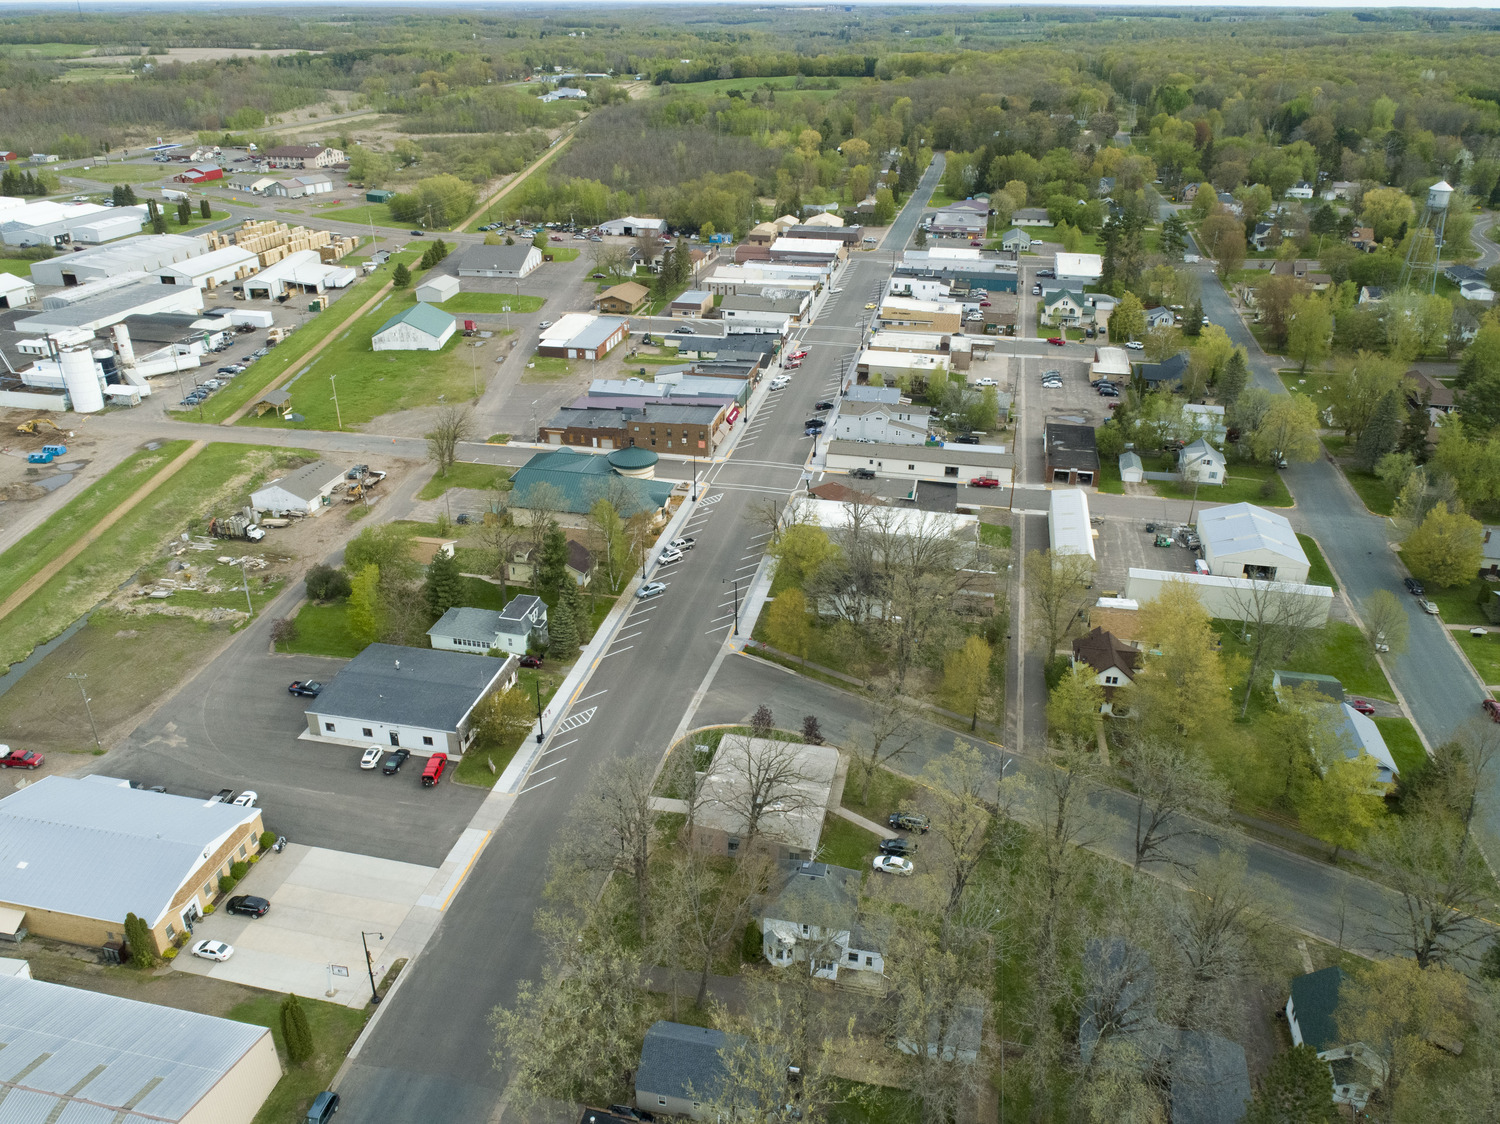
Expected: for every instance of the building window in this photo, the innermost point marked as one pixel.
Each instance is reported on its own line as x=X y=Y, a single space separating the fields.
x=1111 y=680
x=369 y=733
x=950 y=470
x=426 y=741
x=328 y=726
x=869 y=962
x=734 y=845
x=804 y=931
x=171 y=933
x=661 y=1101
x=208 y=889
x=242 y=852
x=854 y=958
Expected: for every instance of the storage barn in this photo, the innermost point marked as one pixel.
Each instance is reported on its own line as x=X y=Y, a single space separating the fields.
x=418 y=328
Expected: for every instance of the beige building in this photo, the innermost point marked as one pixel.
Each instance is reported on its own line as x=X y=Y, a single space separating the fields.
x=78 y=854
x=791 y=822
x=921 y=316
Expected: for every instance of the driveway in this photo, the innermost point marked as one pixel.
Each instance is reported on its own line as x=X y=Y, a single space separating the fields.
x=321 y=901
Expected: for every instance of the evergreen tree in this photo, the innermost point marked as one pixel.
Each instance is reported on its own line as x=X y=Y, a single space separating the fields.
x=577 y=608
x=184 y=212
x=921 y=237
x=140 y=941
x=159 y=224
x=1324 y=221
x=1192 y=323
x=205 y=210
x=1233 y=378
x=552 y=560
x=1414 y=431
x=1381 y=432
x=1174 y=237
x=1297 y=1089
x=401 y=276
x=443 y=588
x=562 y=632
x=295 y=1032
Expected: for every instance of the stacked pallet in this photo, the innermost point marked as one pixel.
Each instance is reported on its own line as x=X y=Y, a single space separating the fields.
x=272 y=241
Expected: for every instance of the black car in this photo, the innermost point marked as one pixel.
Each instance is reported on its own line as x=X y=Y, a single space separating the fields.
x=814 y=423
x=306 y=688
x=416 y=233
x=249 y=906
x=822 y=405
x=897 y=846
x=966 y=439
x=393 y=761
x=630 y=1113
x=862 y=473
x=908 y=821
x=1414 y=587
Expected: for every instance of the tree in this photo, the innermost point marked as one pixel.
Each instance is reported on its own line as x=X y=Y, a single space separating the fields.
x=959 y=781
x=1175 y=791
x=1346 y=804
x=1289 y=429
x=140 y=942
x=1388 y=210
x=1223 y=236
x=184 y=212
x=611 y=544
x=965 y=673
x=400 y=276
x=1379 y=436
x=1295 y=1089
x=1385 y=617
x=550 y=570
x=1429 y=862
x=891 y=730
x=327 y=583
x=1357 y=387
x=1275 y=619
x=611 y=259
x=698 y=909
x=885 y=207
x=1446 y=549
x=503 y=718
x=205 y=210
x=295 y=1032
x=158 y=223
x=1181 y=691
x=364 y=605
x=387 y=546
x=1174 y=235
x=1233 y=378
x=801 y=551
x=1309 y=330
x=562 y=632
x=1073 y=708
x=443 y=588
x=787 y=624
x=768 y=774
x=613 y=830
x=453 y=426
x=1128 y=320
x=1057 y=586
x=1192 y=322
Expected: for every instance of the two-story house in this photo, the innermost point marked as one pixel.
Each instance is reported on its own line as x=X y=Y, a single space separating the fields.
x=514 y=629
x=1200 y=463
x=1112 y=662
x=814 y=920
x=1063 y=308
x=881 y=423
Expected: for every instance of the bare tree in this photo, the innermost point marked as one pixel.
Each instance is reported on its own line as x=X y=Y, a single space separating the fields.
x=1175 y=793
x=1438 y=875
x=453 y=426
x=701 y=908
x=1057 y=588
x=893 y=727
x=1385 y=617
x=501 y=535
x=1275 y=620
x=541 y=502
x=615 y=827
x=769 y=515
x=759 y=776
x=959 y=780
x=610 y=258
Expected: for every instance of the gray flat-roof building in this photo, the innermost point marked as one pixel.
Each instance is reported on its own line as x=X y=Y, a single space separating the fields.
x=417 y=698
x=307 y=490
x=144 y=253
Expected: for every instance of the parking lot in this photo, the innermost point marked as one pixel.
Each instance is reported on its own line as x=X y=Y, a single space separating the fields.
x=235 y=726
x=1076 y=402
x=1122 y=542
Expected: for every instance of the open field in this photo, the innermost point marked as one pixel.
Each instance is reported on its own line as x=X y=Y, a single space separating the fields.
x=371 y=383
x=334 y=1028
x=377 y=213
x=464 y=475
x=493 y=302
x=21 y=267
x=126 y=173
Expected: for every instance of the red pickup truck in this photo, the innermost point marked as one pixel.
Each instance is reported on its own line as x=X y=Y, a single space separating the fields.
x=434 y=769
x=20 y=758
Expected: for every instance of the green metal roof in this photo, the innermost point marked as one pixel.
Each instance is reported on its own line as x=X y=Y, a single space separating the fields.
x=582 y=479
x=1315 y=998
x=423 y=317
x=633 y=457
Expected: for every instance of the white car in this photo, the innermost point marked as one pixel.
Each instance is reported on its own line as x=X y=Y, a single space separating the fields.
x=893 y=864
x=1051 y=384
x=1135 y=345
x=780 y=382
x=986 y=382
x=668 y=557
x=545 y=324
x=651 y=589
x=1430 y=607
x=371 y=757
x=213 y=950
x=246 y=799
x=836 y=289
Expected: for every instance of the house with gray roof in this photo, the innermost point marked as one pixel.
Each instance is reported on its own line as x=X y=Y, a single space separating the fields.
x=521 y=625
x=681 y=1068
x=73 y=1055
x=78 y=854
x=512 y=261
x=1201 y=463
x=1168 y=372
x=1160 y=317
x=1015 y=239
x=308 y=490
x=814 y=920
x=422 y=327
x=1354 y=1069
x=1241 y=540
x=421 y=699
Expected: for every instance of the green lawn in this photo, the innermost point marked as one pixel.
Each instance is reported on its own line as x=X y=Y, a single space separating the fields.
x=562 y=253
x=1108 y=479
x=197 y=220
x=464 y=475
x=252 y=384
x=873 y=1104
x=1459 y=605
x=888 y=793
x=21 y=267
x=372 y=383
x=127 y=173
x=846 y=844
x=1378 y=496
x=334 y=1028
x=750 y=85
x=1346 y=654
x=992 y=534
x=1401 y=739
x=1318 y=572
x=543 y=368
x=1243 y=485
x=493 y=302
x=474 y=768
x=323 y=630
x=1483 y=653
x=377 y=213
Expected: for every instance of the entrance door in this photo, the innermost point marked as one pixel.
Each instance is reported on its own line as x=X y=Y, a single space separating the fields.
x=395 y=738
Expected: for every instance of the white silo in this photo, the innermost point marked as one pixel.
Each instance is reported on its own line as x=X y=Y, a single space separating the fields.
x=81 y=380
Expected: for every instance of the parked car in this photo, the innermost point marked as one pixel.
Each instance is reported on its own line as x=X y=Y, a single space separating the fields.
x=651 y=589
x=248 y=905
x=909 y=821
x=371 y=757
x=307 y=688
x=1135 y=345
x=984 y=304
x=800 y=353
x=545 y=324
x=668 y=557
x=780 y=382
x=531 y=661
x=897 y=846
x=246 y=799
x=1414 y=587
x=1109 y=392
x=1052 y=384
x=870 y=307
x=685 y=543
x=892 y=864
x=813 y=431
x=1036 y=290
x=1057 y=341
x=1364 y=706
x=814 y=423
x=1430 y=607
x=984 y=482
x=986 y=382
x=432 y=772
x=324 y=1105
x=862 y=473
x=213 y=950
x=394 y=760
x=967 y=439
x=21 y=758
x=824 y=405
x=1492 y=708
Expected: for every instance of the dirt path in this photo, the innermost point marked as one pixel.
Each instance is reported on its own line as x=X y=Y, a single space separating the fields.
x=311 y=355
x=50 y=570
x=489 y=200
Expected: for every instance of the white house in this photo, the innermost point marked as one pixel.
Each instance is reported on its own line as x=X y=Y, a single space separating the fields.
x=1160 y=317
x=1477 y=291
x=1300 y=191
x=1061 y=307
x=1241 y=540
x=500 y=261
x=514 y=629
x=1201 y=463
x=814 y=920
x=307 y=490
x=632 y=227
x=1015 y=239
x=1109 y=661
x=892 y=365
x=437 y=289
x=1079 y=269
x=418 y=328
x=875 y=421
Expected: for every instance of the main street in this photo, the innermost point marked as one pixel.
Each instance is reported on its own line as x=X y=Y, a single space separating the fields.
x=428 y=1057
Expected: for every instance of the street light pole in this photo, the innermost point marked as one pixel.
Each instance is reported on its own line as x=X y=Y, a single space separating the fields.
x=537 y=683
x=245 y=573
x=736 y=582
x=369 y=963
x=695 y=477
x=79 y=678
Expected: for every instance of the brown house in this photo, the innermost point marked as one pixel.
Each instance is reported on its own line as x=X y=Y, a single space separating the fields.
x=1112 y=662
x=303 y=156
x=623 y=298
x=1363 y=238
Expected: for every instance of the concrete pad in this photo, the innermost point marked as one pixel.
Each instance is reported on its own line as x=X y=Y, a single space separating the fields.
x=321 y=900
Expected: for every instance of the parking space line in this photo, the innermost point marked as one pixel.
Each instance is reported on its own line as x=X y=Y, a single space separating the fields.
x=544 y=768
x=748 y=566
x=630 y=636
x=617 y=651
x=554 y=749
x=530 y=788
x=716 y=628
x=595 y=695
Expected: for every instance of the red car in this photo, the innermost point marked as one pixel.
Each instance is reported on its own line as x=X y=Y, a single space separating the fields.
x=434 y=769
x=1492 y=708
x=1364 y=706
x=21 y=759
x=1056 y=341
x=531 y=661
x=984 y=482
x=800 y=353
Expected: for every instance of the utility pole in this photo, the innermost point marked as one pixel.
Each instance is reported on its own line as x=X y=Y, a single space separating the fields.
x=245 y=573
x=736 y=581
x=337 y=413
x=537 y=683
x=369 y=963
x=79 y=677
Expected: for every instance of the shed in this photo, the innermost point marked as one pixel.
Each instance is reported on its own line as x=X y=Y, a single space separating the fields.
x=1131 y=469
x=422 y=327
x=681 y=1067
x=307 y=489
x=435 y=289
x=378 y=195
x=278 y=400
x=1068 y=527
x=1241 y=540
x=15 y=291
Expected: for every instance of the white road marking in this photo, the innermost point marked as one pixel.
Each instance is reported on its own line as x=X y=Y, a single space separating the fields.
x=725 y=617
x=715 y=498
x=595 y=695
x=574 y=721
x=717 y=628
x=539 y=784
x=544 y=768
x=554 y=749
x=628 y=636
x=617 y=651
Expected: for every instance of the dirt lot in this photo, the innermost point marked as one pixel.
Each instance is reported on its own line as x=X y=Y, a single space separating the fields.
x=29 y=493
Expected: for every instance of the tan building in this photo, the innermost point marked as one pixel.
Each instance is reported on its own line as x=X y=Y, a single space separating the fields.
x=623 y=298
x=791 y=824
x=921 y=316
x=78 y=854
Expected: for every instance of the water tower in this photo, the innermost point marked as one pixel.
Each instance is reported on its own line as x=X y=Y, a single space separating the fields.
x=1423 y=252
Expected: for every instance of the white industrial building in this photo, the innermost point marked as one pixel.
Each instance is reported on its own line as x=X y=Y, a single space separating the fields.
x=144 y=253
x=15 y=291
x=253 y=182
x=876 y=421
x=1232 y=599
x=437 y=289
x=109 y=308
x=1241 y=540
x=952 y=463
x=300 y=272
x=1079 y=269
x=118 y=222
x=88 y=290
x=307 y=490
x=891 y=365
x=632 y=227
x=1068 y=528
x=210 y=270
x=514 y=261
x=420 y=327
x=295 y=187
x=49 y=224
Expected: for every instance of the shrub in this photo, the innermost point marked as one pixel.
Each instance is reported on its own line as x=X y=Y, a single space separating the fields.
x=239 y=870
x=284 y=630
x=266 y=839
x=170 y=954
x=294 y=1031
x=226 y=883
x=812 y=732
x=208 y=909
x=327 y=583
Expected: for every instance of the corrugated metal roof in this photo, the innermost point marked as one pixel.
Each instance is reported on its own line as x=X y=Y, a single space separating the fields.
x=1239 y=527
x=424 y=318
x=420 y=687
x=92 y=847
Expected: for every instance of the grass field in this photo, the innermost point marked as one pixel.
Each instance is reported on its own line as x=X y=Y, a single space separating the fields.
x=1483 y=653
x=1318 y=572
x=493 y=302
x=1459 y=605
x=750 y=85
x=1242 y=485
x=127 y=173
x=21 y=267
x=174 y=227
x=562 y=253
x=250 y=385
x=545 y=368
x=1401 y=739
x=464 y=475
x=372 y=383
x=218 y=478
x=845 y=844
x=334 y=1028
x=377 y=213
x=1343 y=652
